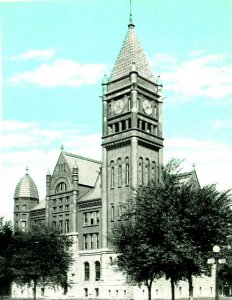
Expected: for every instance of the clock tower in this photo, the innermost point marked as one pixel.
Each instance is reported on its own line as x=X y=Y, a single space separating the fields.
x=132 y=140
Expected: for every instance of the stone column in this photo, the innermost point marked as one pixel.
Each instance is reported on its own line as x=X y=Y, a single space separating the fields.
x=104 y=198
x=134 y=162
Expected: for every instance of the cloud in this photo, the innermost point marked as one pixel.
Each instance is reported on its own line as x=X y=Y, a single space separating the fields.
x=222 y=124
x=197 y=75
x=37 y=145
x=62 y=73
x=34 y=54
x=19 y=136
x=7 y=1
x=163 y=59
x=213 y=160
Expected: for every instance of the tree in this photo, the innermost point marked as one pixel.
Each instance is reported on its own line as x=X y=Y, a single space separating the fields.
x=146 y=239
x=42 y=257
x=169 y=228
x=6 y=274
x=206 y=218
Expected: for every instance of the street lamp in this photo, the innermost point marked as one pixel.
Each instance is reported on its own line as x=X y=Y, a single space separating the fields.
x=216 y=260
x=216 y=250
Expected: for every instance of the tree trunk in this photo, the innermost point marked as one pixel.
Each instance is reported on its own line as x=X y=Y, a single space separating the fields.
x=190 y=281
x=34 y=288
x=173 y=288
x=149 y=285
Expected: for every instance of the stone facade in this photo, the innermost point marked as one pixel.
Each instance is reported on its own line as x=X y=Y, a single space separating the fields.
x=84 y=196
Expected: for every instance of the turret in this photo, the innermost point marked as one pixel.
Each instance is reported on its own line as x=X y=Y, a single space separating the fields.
x=48 y=182
x=75 y=177
x=25 y=198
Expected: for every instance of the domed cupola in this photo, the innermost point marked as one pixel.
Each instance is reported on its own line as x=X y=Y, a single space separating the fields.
x=26 y=188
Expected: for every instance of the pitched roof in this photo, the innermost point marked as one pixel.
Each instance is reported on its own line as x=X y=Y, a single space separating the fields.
x=94 y=193
x=88 y=168
x=131 y=51
x=40 y=205
x=189 y=177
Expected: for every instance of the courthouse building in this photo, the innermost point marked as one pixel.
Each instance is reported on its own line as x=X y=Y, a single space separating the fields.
x=84 y=196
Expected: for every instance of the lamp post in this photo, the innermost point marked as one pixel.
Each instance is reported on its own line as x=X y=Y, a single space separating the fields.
x=216 y=250
x=216 y=260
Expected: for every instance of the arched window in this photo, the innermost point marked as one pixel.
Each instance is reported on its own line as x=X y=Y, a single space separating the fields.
x=119 y=172
x=97 y=271
x=127 y=177
x=146 y=172
x=87 y=271
x=97 y=240
x=61 y=187
x=91 y=241
x=85 y=241
x=153 y=172
x=119 y=211
x=112 y=174
x=66 y=228
x=140 y=171
x=24 y=207
x=112 y=212
x=17 y=208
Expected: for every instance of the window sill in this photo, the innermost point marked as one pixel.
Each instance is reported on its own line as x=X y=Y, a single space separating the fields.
x=86 y=226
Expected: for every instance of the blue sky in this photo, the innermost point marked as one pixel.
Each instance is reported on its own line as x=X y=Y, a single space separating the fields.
x=54 y=56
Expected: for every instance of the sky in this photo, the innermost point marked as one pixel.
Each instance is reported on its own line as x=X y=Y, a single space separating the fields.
x=54 y=55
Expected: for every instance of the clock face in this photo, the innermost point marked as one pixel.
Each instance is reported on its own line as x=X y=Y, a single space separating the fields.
x=118 y=106
x=147 y=107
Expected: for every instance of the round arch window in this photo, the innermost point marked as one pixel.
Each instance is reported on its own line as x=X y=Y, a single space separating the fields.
x=61 y=187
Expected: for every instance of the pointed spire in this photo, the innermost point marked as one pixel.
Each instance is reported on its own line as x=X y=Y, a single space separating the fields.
x=131 y=24
x=27 y=170
x=48 y=172
x=131 y=51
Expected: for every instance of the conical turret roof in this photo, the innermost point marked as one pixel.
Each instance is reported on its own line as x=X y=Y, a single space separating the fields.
x=131 y=52
x=26 y=188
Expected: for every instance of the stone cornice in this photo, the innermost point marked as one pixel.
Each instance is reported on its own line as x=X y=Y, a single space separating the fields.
x=90 y=203
x=38 y=212
x=118 y=140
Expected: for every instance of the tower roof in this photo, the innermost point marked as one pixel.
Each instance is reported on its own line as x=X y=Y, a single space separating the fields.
x=131 y=52
x=26 y=188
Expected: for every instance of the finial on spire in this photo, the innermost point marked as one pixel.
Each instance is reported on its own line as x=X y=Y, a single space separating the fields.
x=194 y=166
x=105 y=79
x=158 y=80
x=27 y=170
x=62 y=148
x=131 y=24
x=75 y=166
x=104 y=84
